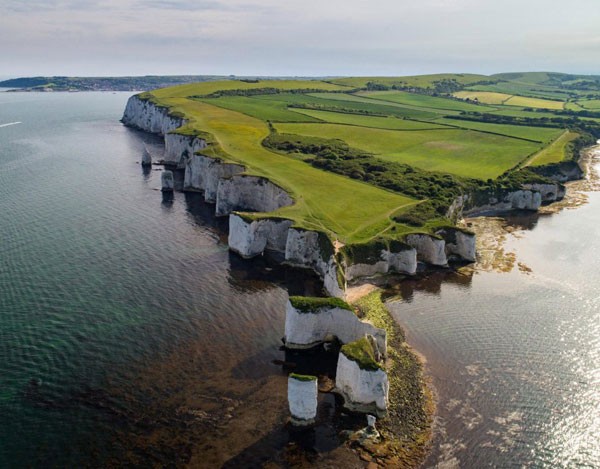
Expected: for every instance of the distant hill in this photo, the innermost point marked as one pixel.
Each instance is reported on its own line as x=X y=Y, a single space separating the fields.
x=139 y=83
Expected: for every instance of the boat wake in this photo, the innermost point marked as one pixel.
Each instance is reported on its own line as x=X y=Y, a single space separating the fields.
x=10 y=123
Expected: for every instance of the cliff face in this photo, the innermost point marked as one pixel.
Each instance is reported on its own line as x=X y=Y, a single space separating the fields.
x=203 y=173
x=226 y=185
x=249 y=194
x=429 y=249
x=145 y=115
x=362 y=390
x=306 y=329
x=302 y=399
x=180 y=148
x=529 y=197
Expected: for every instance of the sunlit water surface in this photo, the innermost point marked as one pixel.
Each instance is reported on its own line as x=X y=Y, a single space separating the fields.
x=515 y=357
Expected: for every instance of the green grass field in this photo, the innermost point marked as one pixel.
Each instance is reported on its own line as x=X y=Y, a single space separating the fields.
x=425 y=101
x=351 y=211
x=484 y=97
x=539 y=134
x=385 y=107
x=390 y=123
x=461 y=152
x=392 y=126
x=554 y=153
x=420 y=81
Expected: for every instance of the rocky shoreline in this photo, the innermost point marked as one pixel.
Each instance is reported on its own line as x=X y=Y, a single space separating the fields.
x=406 y=430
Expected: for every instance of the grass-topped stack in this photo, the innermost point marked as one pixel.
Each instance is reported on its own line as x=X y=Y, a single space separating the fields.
x=360 y=379
x=313 y=321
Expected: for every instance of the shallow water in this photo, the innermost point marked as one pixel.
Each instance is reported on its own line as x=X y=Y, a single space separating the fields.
x=515 y=357
x=130 y=335
x=128 y=332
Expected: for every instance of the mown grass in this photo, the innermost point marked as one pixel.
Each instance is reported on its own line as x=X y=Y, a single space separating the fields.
x=461 y=152
x=273 y=110
x=349 y=210
x=484 y=97
x=385 y=107
x=590 y=104
x=524 y=101
x=555 y=152
x=540 y=134
x=425 y=101
x=391 y=123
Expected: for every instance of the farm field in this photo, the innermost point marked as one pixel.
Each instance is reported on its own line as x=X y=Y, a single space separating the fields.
x=341 y=148
x=350 y=210
x=426 y=101
x=489 y=97
x=484 y=97
x=390 y=123
x=555 y=152
x=461 y=152
x=538 y=134
x=375 y=105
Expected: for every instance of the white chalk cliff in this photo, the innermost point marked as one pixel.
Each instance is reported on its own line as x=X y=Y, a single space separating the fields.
x=305 y=329
x=362 y=390
x=302 y=399
x=226 y=185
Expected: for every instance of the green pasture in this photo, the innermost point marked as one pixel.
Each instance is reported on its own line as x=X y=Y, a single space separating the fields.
x=539 y=134
x=555 y=152
x=350 y=210
x=417 y=81
x=383 y=107
x=484 y=97
x=391 y=123
x=425 y=101
x=461 y=152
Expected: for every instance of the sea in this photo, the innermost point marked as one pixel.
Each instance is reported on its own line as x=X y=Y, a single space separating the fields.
x=131 y=336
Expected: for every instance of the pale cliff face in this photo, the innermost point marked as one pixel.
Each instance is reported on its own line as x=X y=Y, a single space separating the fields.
x=146 y=116
x=363 y=390
x=302 y=400
x=429 y=249
x=307 y=329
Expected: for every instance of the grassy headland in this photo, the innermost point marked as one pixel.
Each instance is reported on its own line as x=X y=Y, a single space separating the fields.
x=361 y=156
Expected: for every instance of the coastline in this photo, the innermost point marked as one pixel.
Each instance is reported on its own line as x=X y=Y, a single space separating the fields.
x=409 y=451
x=492 y=234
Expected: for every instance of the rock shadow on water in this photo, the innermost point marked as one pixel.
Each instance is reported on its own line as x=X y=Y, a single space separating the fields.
x=429 y=282
x=263 y=272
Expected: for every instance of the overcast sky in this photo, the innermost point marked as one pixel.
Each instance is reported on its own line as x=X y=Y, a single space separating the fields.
x=301 y=38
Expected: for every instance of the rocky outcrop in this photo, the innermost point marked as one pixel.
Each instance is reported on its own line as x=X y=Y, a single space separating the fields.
x=364 y=389
x=459 y=244
x=548 y=192
x=250 y=238
x=145 y=115
x=312 y=321
x=302 y=398
x=377 y=258
x=430 y=249
x=203 y=173
x=146 y=158
x=167 y=181
x=313 y=250
x=249 y=194
x=180 y=148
